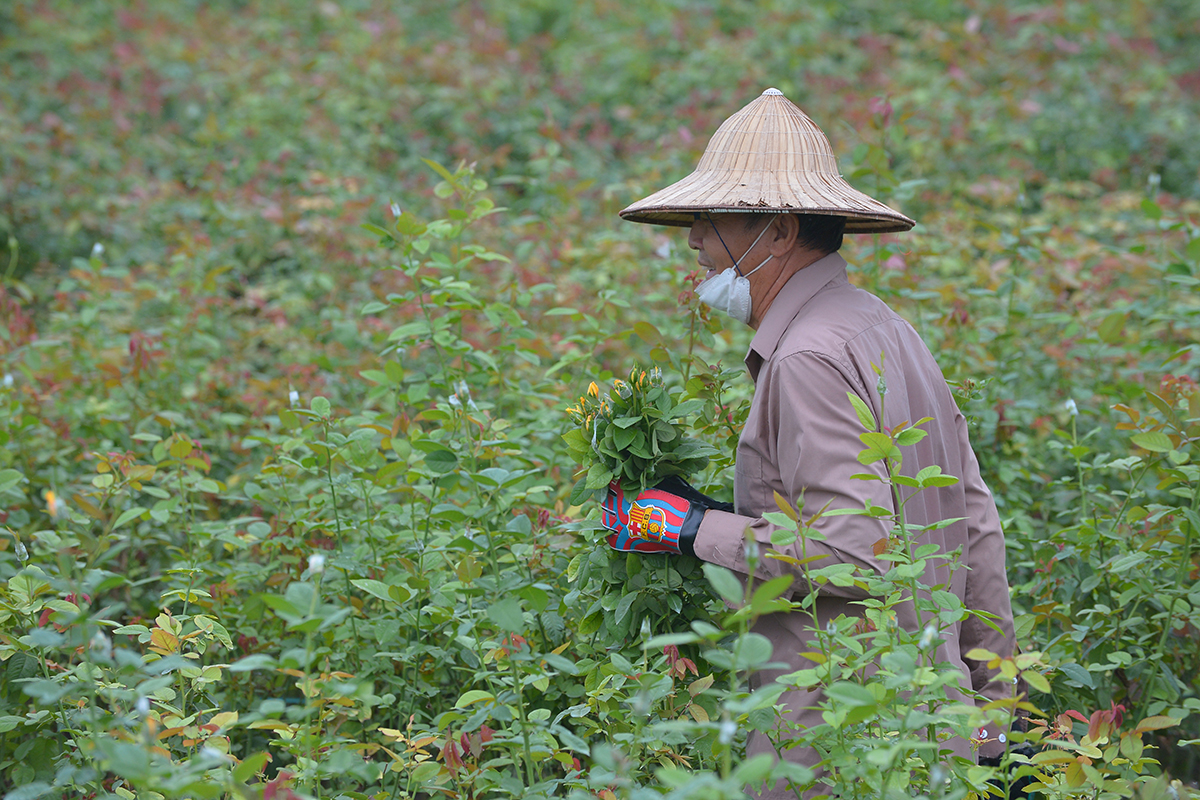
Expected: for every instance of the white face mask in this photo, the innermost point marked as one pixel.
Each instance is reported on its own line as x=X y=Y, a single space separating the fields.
x=729 y=291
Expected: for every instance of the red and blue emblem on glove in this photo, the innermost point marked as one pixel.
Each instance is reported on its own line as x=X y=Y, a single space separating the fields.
x=648 y=523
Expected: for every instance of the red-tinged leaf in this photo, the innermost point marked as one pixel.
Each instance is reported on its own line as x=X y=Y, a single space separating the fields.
x=1134 y=414
x=1074 y=714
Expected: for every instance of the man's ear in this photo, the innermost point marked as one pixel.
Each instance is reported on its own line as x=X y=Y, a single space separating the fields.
x=783 y=239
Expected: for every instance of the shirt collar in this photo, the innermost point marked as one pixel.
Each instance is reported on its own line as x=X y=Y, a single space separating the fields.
x=799 y=289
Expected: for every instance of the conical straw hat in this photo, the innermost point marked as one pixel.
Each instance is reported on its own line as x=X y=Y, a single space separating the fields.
x=768 y=157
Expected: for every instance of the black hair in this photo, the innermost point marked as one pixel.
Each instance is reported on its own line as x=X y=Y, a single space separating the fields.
x=821 y=232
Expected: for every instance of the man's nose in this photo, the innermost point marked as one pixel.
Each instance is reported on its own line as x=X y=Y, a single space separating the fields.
x=696 y=235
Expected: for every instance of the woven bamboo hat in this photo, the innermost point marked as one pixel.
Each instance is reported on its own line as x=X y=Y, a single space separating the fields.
x=767 y=158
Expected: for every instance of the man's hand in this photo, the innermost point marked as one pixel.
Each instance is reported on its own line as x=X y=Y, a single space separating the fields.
x=659 y=520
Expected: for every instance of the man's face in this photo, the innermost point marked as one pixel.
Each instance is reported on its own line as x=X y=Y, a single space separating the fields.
x=710 y=230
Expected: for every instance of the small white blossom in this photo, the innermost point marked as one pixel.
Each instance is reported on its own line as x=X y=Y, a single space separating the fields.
x=1154 y=180
x=142 y=706
x=8 y=381
x=727 y=731
x=293 y=398
x=1071 y=408
x=316 y=563
x=97 y=250
x=752 y=552
x=830 y=628
x=882 y=386
x=22 y=553
x=101 y=644
x=454 y=401
x=397 y=210
x=927 y=636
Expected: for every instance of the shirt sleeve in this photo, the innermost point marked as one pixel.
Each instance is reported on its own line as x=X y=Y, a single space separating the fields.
x=815 y=441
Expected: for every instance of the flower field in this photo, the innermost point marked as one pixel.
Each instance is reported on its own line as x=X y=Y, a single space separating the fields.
x=309 y=309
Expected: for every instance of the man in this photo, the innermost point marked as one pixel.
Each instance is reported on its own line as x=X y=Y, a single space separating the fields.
x=767 y=210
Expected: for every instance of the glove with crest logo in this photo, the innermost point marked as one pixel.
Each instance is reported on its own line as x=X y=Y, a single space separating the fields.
x=659 y=520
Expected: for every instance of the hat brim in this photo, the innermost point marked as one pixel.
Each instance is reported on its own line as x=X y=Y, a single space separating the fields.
x=678 y=204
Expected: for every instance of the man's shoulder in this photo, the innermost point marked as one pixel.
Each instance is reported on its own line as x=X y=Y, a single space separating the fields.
x=837 y=317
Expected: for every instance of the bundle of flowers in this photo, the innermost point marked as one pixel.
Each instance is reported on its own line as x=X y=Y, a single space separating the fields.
x=632 y=435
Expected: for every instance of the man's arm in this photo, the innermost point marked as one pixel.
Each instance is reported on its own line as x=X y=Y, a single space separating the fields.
x=816 y=446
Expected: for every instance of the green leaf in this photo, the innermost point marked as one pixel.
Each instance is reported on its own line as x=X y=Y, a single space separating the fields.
x=474 y=696
x=1037 y=680
x=580 y=492
x=865 y=417
x=441 y=461
x=320 y=406
x=687 y=408
x=1154 y=441
x=647 y=333
x=250 y=766
x=623 y=607
x=752 y=651
x=507 y=615
x=879 y=447
x=9 y=478
x=852 y=695
x=1077 y=674
x=1111 y=329
x=127 y=515
x=253 y=662
x=1128 y=561
x=723 y=582
x=598 y=476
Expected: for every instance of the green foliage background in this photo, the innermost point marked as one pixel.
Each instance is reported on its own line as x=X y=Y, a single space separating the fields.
x=225 y=155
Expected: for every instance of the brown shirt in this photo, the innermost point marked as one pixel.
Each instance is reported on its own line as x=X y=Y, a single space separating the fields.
x=818 y=341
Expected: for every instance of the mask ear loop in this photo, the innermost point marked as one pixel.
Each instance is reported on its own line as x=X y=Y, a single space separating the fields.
x=713 y=223
x=736 y=261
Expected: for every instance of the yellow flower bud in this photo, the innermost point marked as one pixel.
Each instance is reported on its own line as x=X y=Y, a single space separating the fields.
x=593 y=389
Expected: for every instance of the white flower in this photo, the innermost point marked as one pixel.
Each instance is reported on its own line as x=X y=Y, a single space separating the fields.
x=97 y=250
x=727 y=731
x=316 y=563
x=293 y=397
x=8 y=381
x=101 y=643
x=397 y=210
x=927 y=636
x=1071 y=408
x=212 y=753
x=142 y=706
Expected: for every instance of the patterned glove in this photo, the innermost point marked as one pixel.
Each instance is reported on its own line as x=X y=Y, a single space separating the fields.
x=659 y=520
